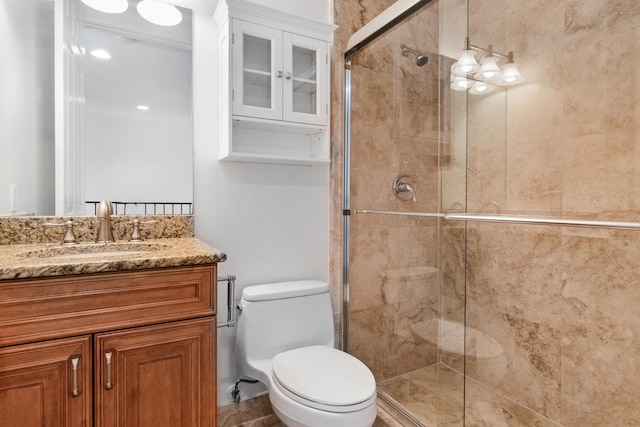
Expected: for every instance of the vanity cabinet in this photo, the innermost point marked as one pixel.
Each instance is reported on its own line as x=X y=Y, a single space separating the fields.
x=113 y=349
x=274 y=85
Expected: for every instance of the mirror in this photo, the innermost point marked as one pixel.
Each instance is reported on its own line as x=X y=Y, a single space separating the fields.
x=122 y=153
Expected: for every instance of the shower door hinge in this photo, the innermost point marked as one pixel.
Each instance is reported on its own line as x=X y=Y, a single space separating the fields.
x=346 y=212
x=233 y=38
x=347 y=66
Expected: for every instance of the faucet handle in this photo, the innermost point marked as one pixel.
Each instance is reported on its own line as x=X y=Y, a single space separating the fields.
x=135 y=234
x=69 y=236
x=403 y=189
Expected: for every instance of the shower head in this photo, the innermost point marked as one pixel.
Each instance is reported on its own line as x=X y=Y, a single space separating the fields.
x=420 y=58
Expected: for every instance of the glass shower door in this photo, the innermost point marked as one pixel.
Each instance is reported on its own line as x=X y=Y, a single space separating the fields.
x=405 y=312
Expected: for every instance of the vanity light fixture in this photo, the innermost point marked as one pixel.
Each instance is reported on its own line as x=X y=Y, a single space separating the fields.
x=108 y=6
x=159 y=12
x=479 y=74
x=101 y=54
x=142 y=108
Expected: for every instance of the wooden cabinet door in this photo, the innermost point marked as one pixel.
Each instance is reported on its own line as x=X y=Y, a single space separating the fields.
x=46 y=384
x=161 y=375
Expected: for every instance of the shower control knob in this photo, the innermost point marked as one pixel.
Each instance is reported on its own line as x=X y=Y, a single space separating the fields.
x=403 y=189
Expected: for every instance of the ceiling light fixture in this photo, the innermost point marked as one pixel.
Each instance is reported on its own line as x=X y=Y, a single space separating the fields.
x=159 y=13
x=142 y=108
x=101 y=54
x=108 y=6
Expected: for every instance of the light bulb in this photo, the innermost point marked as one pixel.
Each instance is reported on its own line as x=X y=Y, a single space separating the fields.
x=466 y=63
x=489 y=69
x=101 y=53
x=108 y=6
x=511 y=75
x=480 y=88
x=460 y=83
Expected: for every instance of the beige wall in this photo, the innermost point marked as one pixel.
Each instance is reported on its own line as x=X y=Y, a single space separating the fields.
x=561 y=302
x=394 y=261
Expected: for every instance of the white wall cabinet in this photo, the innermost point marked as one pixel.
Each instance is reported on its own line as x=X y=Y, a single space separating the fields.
x=274 y=85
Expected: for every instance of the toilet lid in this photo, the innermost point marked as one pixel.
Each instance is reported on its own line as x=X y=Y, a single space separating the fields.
x=324 y=375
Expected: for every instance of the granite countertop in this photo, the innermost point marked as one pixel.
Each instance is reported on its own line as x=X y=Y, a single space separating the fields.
x=53 y=259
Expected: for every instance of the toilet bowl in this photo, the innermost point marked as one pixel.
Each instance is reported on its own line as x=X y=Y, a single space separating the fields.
x=285 y=340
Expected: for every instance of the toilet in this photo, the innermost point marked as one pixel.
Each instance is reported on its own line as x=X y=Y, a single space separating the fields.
x=285 y=339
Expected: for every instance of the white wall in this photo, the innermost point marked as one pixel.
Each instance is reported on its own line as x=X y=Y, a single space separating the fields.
x=272 y=221
x=26 y=106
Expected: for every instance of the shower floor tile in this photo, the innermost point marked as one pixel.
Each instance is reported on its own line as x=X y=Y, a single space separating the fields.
x=434 y=396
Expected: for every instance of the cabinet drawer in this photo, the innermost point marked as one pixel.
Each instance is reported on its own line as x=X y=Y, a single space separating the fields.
x=37 y=309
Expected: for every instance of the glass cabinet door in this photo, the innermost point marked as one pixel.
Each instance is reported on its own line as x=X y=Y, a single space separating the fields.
x=257 y=71
x=305 y=66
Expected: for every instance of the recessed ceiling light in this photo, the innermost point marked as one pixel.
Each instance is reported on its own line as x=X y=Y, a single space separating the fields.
x=101 y=53
x=108 y=6
x=142 y=108
x=159 y=12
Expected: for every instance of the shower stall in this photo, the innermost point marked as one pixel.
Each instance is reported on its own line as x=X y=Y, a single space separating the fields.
x=490 y=223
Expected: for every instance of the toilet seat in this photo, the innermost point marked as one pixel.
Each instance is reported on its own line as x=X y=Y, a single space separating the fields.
x=324 y=378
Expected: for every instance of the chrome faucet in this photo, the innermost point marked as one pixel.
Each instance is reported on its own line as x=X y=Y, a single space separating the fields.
x=105 y=233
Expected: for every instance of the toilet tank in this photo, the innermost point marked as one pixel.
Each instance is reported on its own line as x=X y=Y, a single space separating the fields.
x=278 y=317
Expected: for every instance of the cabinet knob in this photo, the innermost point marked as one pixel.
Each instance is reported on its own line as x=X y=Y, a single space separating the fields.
x=279 y=73
x=288 y=76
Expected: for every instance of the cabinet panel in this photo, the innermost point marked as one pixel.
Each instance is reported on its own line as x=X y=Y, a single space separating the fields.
x=162 y=375
x=46 y=384
x=37 y=309
x=257 y=70
x=305 y=92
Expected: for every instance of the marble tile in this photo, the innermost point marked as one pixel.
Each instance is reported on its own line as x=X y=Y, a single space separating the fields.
x=610 y=186
x=433 y=395
x=247 y=411
x=600 y=337
x=581 y=17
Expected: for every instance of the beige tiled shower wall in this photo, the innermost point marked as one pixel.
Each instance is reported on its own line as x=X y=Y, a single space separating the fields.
x=564 y=303
x=394 y=260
